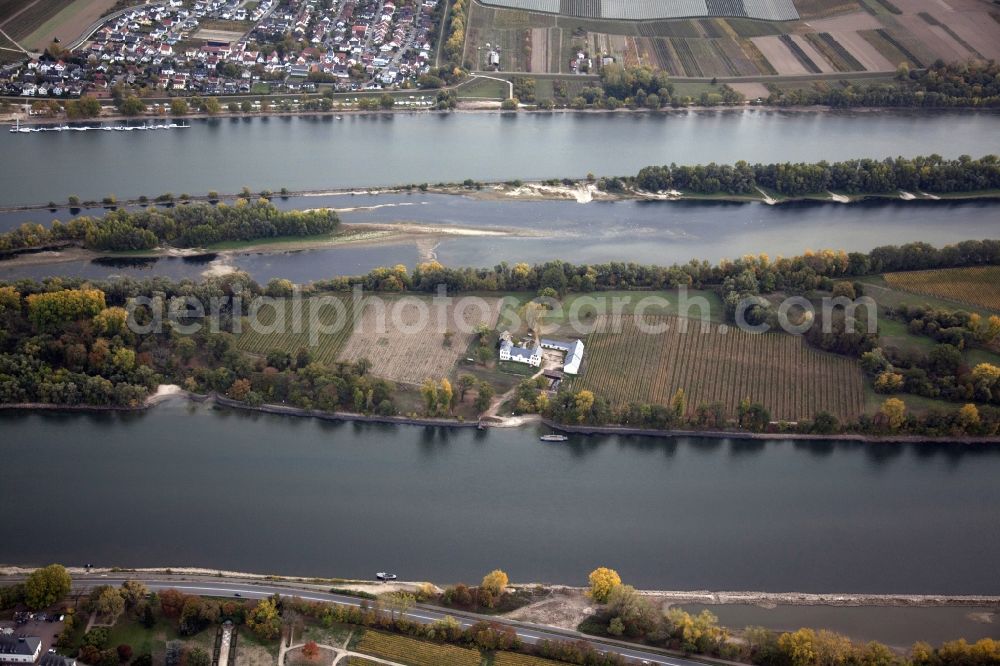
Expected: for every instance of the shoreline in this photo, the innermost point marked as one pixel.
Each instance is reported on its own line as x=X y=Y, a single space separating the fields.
x=673 y=597
x=166 y=391
x=763 y=436
x=361 y=234
x=467 y=105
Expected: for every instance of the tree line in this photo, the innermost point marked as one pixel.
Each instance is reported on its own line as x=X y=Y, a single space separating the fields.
x=862 y=176
x=971 y=83
x=191 y=225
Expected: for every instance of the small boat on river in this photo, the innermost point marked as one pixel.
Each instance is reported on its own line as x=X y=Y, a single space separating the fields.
x=553 y=438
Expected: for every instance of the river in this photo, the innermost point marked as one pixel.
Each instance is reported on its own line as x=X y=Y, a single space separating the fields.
x=652 y=232
x=366 y=150
x=186 y=484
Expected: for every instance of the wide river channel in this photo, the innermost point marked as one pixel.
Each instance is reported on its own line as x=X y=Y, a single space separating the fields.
x=366 y=150
x=186 y=484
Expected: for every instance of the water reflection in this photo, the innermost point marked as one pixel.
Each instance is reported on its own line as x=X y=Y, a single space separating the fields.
x=843 y=519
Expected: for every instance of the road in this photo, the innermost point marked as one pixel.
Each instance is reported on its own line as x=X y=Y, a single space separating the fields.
x=528 y=633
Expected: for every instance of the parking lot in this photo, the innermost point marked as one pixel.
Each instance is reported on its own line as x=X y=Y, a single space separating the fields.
x=30 y=625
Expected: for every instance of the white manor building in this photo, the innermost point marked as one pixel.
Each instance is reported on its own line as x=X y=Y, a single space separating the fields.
x=533 y=356
x=508 y=352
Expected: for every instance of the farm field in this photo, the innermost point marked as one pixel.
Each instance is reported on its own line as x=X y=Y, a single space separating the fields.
x=405 y=347
x=286 y=327
x=19 y=18
x=830 y=37
x=977 y=286
x=413 y=652
x=46 y=20
x=791 y=379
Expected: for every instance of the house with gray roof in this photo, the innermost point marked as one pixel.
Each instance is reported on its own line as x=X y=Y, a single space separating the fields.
x=19 y=649
x=529 y=356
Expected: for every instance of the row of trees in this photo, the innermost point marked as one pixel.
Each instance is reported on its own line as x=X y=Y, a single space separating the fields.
x=645 y=87
x=622 y=612
x=864 y=176
x=626 y=612
x=810 y=271
x=194 y=225
x=973 y=83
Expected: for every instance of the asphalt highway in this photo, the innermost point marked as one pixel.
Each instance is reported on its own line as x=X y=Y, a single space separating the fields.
x=529 y=633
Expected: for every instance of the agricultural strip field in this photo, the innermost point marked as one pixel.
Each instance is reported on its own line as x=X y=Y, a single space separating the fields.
x=65 y=20
x=791 y=379
x=832 y=50
x=784 y=62
x=19 y=18
x=286 y=325
x=412 y=652
x=978 y=286
x=404 y=338
x=798 y=50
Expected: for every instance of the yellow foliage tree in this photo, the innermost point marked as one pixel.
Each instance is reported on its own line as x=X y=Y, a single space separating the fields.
x=495 y=581
x=894 y=412
x=264 y=620
x=602 y=581
x=968 y=417
x=445 y=394
x=111 y=321
x=429 y=391
x=10 y=300
x=888 y=382
x=123 y=359
x=799 y=646
x=584 y=401
x=984 y=372
x=55 y=308
x=678 y=404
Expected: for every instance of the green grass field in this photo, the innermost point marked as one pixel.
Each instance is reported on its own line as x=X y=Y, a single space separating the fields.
x=483 y=88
